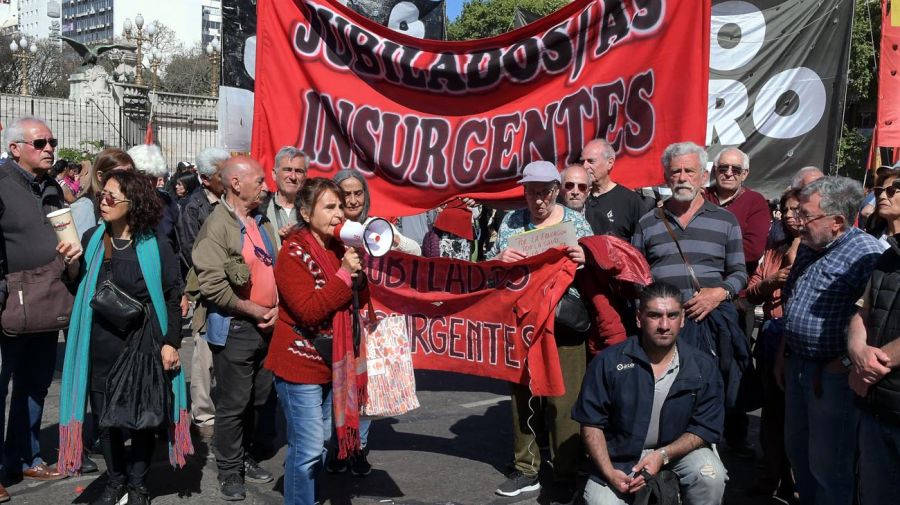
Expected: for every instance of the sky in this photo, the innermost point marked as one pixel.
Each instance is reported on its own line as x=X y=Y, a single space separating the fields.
x=454 y=7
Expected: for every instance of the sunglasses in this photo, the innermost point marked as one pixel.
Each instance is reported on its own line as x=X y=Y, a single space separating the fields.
x=889 y=191
x=571 y=185
x=110 y=199
x=724 y=168
x=262 y=255
x=40 y=143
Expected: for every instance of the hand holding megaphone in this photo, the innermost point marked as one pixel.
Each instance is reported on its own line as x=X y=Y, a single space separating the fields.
x=375 y=236
x=351 y=262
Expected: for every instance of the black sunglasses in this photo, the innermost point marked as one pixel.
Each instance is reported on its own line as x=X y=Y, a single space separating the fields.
x=889 y=191
x=41 y=143
x=262 y=255
x=571 y=185
x=724 y=168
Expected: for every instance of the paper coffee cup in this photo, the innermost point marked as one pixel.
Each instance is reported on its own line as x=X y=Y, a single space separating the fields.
x=64 y=226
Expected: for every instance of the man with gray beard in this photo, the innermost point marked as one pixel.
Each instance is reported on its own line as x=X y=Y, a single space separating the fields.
x=697 y=247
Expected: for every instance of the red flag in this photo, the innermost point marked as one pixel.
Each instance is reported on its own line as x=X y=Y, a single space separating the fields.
x=148 y=137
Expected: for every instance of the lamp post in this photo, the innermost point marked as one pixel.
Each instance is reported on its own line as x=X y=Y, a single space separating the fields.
x=138 y=36
x=155 y=61
x=214 y=50
x=24 y=53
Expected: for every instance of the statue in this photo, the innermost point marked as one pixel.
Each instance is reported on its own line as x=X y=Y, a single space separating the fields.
x=90 y=56
x=92 y=82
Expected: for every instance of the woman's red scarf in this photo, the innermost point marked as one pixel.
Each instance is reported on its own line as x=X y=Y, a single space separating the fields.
x=348 y=373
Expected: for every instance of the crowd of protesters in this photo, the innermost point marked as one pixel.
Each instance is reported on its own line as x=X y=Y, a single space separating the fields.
x=658 y=380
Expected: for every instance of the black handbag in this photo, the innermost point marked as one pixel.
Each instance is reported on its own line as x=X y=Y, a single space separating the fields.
x=137 y=389
x=571 y=313
x=115 y=306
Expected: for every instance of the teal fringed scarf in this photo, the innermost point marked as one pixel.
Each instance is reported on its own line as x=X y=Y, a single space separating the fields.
x=76 y=369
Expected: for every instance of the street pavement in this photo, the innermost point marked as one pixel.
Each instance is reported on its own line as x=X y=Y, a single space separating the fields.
x=454 y=449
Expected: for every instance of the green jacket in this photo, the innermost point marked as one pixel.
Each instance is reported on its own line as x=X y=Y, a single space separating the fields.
x=218 y=249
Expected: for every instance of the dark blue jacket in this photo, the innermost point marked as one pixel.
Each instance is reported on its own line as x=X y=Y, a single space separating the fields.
x=617 y=397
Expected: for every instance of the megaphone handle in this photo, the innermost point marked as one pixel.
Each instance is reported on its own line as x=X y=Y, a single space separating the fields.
x=354 y=317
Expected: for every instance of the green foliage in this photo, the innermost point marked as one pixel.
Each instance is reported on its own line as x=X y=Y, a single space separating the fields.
x=853 y=152
x=89 y=149
x=487 y=18
x=188 y=73
x=863 y=81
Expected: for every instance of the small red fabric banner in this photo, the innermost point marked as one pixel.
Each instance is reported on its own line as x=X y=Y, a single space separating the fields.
x=491 y=319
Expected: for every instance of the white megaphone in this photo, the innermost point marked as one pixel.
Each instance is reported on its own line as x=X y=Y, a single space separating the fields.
x=376 y=236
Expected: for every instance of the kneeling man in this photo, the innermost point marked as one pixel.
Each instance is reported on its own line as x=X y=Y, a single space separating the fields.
x=653 y=403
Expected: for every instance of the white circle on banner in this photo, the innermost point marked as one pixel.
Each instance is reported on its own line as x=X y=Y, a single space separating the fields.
x=752 y=33
x=405 y=18
x=807 y=101
x=250 y=56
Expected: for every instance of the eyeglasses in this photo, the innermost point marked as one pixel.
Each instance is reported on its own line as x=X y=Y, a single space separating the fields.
x=889 y=191
x=39 y=144
x=805 y=218
x=260 y=253
x=110 y=199
x=571 y=185
x=724 y=168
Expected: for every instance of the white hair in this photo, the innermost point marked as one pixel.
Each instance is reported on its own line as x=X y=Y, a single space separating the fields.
x=289 y=153
x=149 y=160
x=684 y=149
x=16 y=130
x=210 y=160
x=745 y=160
x=797 y=181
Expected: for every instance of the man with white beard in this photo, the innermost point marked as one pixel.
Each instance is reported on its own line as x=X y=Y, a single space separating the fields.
x=697 y=247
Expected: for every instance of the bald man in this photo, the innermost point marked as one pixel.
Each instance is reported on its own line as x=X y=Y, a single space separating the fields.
x=805 y=176
x=576 y=183
x=611 y=209
x=240 y=320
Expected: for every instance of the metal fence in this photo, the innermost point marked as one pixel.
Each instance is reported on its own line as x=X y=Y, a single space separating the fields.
x=183 y=125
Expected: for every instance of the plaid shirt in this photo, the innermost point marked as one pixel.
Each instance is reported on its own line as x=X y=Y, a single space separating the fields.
x=821 y=294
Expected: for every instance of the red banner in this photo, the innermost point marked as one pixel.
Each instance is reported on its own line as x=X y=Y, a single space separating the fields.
x=888 y=127
x=428 y=120
x=491 y=319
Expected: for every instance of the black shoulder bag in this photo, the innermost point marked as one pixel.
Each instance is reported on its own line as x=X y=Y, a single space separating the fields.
x=117 y=307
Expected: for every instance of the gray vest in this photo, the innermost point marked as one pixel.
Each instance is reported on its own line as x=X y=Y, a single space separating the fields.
x=883 y=326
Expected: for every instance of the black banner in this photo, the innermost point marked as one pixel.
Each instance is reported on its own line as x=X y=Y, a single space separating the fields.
x=777 y=84
x=238 y=43
x=423 y=19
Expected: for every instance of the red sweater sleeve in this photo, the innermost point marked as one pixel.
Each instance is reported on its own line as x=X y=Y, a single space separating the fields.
x=755 y=226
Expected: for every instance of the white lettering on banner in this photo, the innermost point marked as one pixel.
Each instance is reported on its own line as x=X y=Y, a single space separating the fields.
x=752 y=26
x=727 y=103
x=810 y=92
x=789 y=104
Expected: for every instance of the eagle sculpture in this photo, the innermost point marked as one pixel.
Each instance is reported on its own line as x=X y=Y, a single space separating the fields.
x=91 y=56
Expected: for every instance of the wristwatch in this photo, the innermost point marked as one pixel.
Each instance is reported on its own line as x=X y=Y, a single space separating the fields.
x=846 y=361
x=665 y=456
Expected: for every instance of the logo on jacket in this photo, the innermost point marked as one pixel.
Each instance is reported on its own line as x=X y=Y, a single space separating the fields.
x=624 y=366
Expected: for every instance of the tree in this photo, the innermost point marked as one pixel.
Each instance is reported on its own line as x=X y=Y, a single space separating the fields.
x=189 y=73
x=487 y=18
x=862 y=87
x=166 y=41
x=44 y=71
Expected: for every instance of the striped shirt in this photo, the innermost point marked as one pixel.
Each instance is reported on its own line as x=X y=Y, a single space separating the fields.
x=711 y=241
x=821 y=293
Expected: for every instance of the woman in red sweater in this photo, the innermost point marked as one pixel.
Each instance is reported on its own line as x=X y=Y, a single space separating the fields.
x=314 y=274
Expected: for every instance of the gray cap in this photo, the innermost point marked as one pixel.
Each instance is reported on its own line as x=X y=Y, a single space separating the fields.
x=540 y=171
